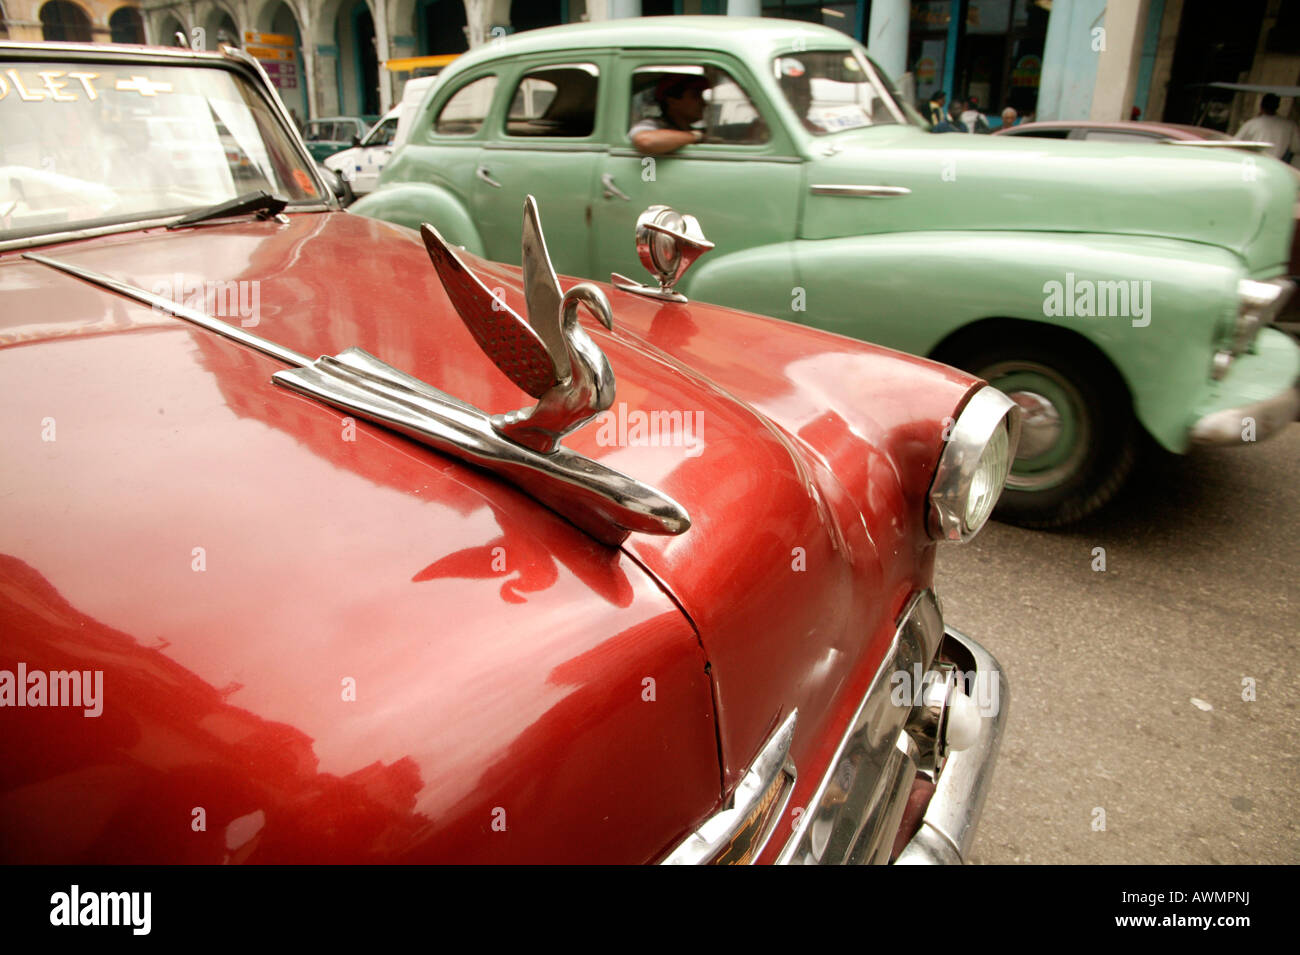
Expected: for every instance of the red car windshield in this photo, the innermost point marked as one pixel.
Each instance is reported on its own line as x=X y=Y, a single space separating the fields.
x=92 y=142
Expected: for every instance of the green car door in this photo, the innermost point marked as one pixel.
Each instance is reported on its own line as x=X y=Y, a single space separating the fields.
x=434 y=176
x=543 y=141
x=745 y=171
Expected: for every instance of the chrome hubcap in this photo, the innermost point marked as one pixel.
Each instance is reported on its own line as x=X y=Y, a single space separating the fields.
x=1040 y=425
x=1056 y=428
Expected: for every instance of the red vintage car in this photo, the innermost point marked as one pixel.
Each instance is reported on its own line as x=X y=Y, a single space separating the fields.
x=262 y=606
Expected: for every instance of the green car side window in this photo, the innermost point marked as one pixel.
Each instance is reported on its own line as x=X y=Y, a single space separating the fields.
x=464 y=112
x=555 y=101
x=729 y=114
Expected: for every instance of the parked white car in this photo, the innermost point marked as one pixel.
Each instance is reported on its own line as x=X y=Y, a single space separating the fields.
x=361 y=165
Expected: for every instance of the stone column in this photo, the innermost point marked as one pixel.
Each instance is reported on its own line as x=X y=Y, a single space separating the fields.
x=306 y=17
x=325 y=97
x=1070 y=56
x=1165 y=48
x=1118 y=60
x=478 y=20
x=887 y=34
x=379 y=10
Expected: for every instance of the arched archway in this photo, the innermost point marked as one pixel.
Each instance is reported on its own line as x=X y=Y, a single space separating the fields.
x=221 y=28
x=126 y=25
x=63 y=20
x=284 y=63
x=440 y=27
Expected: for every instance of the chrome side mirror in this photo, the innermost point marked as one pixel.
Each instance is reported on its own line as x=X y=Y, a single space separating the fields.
x=668 y=244
x=339 y=186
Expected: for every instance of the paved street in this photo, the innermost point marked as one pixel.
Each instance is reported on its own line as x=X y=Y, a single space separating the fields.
x=1199 y=591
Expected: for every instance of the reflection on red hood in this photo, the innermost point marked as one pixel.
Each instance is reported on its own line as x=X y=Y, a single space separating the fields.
x=484 y=633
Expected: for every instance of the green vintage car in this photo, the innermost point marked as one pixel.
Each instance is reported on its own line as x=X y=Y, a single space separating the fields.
x=1110 y=289
x=332 y=134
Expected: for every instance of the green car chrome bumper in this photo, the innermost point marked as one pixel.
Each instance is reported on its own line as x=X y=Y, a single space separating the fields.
x=1259 y=396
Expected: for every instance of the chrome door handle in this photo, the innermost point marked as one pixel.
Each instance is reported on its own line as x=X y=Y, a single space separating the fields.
x=612 y=190
x=482 y=173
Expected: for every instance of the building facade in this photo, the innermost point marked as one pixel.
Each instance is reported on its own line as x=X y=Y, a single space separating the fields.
x=1102 y=60
x=328 y=56
x=1055 y=59
x=81 y=21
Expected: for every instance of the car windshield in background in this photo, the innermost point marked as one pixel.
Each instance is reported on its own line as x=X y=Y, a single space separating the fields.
x=89 y=144
x=832 y=91
x=331 y=131
x=381 y=135
x=318 y=132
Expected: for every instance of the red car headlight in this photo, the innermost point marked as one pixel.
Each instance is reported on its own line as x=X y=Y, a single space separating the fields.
x=974 y=465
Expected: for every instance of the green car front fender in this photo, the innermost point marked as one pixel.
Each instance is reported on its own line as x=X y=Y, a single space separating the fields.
x=411 y=204
x=1157 y=308
x=761 y=280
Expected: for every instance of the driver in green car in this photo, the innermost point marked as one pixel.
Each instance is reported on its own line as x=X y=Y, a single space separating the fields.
x=681 y=106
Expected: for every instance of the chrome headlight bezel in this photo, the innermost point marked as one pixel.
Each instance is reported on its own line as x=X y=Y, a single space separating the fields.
x=969 y=465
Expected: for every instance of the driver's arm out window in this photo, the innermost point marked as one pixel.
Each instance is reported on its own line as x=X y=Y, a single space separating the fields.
x=729 y=115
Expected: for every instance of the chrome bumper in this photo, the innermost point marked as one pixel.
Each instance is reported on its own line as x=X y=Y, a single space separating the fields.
x=948 y=826
x=859 y=806
x=1226 y=426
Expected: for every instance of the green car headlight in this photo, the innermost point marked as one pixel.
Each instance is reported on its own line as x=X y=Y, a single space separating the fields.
x=1258 y=304
x=974 y=465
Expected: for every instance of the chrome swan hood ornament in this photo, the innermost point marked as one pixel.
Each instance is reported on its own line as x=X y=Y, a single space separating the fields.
x=549 y=356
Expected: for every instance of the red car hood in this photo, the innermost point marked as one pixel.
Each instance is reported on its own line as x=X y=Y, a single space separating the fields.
x=186 y=524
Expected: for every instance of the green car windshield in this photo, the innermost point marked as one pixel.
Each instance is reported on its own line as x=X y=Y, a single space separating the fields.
x=835 y=90
x=93 y=143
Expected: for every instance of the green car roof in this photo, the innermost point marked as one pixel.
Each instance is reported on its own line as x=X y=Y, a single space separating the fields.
x=738 y=35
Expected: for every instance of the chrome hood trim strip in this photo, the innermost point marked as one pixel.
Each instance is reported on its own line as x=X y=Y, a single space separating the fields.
x=605 y=503
x=160 y=304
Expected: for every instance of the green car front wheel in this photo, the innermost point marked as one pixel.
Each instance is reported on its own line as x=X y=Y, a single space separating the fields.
x=1078 y=439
